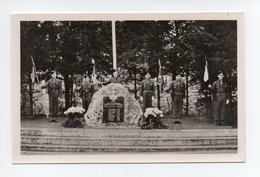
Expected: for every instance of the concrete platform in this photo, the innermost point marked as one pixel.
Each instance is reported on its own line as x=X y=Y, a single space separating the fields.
x=194 y=135
x=109 y=140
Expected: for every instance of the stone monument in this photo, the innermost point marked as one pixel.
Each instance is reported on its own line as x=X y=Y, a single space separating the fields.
x=113 y=104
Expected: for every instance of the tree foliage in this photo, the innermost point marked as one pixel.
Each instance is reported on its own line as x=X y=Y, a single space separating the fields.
x=66 y=46
x=177 y=43
x=181 y=46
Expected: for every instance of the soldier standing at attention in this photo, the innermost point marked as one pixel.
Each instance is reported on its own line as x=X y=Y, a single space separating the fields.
x=86 y=93
x=147 y=92
x=178 y=94
x=115 y=78
x=220 y=99
x=54 y=89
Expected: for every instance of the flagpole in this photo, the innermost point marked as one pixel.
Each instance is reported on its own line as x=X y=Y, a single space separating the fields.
x=114 y=44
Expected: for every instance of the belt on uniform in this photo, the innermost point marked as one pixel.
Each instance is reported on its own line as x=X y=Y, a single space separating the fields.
x=178 y=93
x=221 y=94
x=147 y=91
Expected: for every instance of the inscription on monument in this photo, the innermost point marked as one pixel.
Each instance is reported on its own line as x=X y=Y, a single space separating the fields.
x=113 y=110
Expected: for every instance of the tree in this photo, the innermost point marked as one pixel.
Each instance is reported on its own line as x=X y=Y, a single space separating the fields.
x=182 y=46
x=67 y=47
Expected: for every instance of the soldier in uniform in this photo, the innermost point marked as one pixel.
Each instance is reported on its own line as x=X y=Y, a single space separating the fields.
x=178 y=94
x=115 y=78
x=147 y=92
x=86 y=92
x=54 y=89
x=220 y=99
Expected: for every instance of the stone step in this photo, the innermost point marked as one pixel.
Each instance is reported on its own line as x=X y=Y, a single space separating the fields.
x=70 y=148
x=129 y=141
x=220 y=151
x=103 y=133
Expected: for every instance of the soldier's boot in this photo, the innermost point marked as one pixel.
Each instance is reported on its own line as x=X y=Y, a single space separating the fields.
x=53 y=119
x=219 y=123
x=177 y=121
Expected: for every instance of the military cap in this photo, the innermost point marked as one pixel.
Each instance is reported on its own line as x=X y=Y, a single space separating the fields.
x=220 y=73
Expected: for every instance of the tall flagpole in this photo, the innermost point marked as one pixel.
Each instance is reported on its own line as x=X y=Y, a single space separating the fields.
x=114 y=44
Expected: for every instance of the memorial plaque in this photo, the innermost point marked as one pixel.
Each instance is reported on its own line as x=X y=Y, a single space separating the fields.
x=113 y=110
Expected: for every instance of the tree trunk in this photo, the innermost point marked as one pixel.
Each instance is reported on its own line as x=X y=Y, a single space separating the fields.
x=232 y=117
x=135 y=84
x=30 y=94
x=67 y=91
x=187 y=90
x=173 y=60
x=71 y=89
x=175 y=55
x=158 y=95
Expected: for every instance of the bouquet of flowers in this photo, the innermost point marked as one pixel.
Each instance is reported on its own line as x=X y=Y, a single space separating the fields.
x=74 y=112
x=153 y=111
x=152 y=119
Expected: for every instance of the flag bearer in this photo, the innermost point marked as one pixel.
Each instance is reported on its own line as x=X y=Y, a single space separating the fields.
x=54 y=89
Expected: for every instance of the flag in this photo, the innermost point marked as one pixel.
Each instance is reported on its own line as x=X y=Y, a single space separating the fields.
x=160 y=67
x=33 y=74
x=206 y=73
x=93 y=75
x=93 y=61
x=160 y=78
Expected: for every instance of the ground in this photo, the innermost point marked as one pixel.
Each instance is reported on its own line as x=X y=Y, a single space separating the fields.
x=187 y=123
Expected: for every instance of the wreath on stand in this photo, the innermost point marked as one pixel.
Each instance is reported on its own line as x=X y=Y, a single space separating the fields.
x=73 y=115
x=152 y=119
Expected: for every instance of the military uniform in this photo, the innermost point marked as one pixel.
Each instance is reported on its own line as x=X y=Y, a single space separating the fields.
x=220 y=97
x=178 y=94
x=115 y=80
x=87 y=90
x=54 y=89
x=147 y=92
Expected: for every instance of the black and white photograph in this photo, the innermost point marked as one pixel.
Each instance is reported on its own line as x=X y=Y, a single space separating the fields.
x=134 y=87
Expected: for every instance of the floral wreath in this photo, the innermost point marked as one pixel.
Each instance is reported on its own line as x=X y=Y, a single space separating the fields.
x=153 y=111
x=74 y=111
